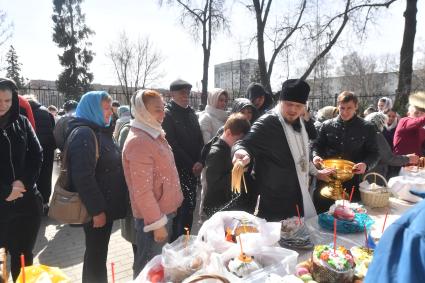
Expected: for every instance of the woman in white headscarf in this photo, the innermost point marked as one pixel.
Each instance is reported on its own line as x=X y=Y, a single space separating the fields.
x=385 y=104
x=214 y=116
x=386 y=156
x=151 y=176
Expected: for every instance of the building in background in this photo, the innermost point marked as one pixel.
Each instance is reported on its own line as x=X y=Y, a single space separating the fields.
x=47 y=94
x=235 y=76
x=368 y=87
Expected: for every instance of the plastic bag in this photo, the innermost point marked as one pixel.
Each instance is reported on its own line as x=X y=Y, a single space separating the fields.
x=372 y=187
x=184 y=257
x=295 y=235
x=153 y=264
x=43 y=274
x=275 y=260
x=213 y=231
x=400 y=186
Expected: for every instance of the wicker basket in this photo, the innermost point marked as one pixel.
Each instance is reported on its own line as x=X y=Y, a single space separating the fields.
x=375 y=199
x=218 y=278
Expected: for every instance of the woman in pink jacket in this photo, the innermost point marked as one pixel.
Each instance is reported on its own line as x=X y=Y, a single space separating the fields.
x=151 y=176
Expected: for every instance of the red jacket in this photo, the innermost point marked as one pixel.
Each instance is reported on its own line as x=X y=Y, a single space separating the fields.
x=409 y=136
x=27 y=111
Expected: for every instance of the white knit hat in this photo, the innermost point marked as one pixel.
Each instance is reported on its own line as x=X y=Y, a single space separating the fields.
x=417 y=99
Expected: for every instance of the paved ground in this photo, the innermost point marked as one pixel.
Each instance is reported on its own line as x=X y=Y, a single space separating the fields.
x=63 y=246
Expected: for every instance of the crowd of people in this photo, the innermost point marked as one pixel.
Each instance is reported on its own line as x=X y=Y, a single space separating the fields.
x=145 y=163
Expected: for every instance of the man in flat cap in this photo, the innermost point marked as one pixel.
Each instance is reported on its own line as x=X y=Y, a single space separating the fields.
x=347 y=137
x=278 y=144
x=185 y=138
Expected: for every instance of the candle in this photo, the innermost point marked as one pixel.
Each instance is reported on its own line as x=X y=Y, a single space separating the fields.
x=257 y=206
x=299 y=216
x=385 y=221
x=351 y=194
x=23 y=268
x=334 y=235
x=187 y=236
x=113 y=272
x=365 y=235
x=4 y=266
x=240 y=243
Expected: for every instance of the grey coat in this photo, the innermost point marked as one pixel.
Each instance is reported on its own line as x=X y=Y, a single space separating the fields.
x=387 y=157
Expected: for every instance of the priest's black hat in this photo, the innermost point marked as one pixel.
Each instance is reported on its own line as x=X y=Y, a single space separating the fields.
x=295 y=90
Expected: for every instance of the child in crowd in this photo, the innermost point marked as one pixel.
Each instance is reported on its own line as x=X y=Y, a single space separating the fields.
x=219 y=167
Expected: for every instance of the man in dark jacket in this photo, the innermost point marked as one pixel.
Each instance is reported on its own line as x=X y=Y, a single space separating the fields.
x=348 y=137
x=261 y=99
x=20 y=162
x=278 y=143
x=45 y=124
x=219 y=168
x=183 y=133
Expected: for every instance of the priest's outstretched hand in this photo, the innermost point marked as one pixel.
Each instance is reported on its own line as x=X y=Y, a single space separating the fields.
x=241 y=155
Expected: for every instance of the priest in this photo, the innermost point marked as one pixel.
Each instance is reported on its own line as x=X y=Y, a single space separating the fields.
x=278 y=145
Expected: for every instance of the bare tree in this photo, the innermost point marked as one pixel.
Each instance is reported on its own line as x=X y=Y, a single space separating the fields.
x=418 y=79
x=5 y=28
x=360 y=13
x=359 y=74
x=205 y=20
x=136 y=65
x=406 y=56
x=282 y=35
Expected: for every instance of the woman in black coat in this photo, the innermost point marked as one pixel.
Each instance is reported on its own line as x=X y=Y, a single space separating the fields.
x=20 y=162
x=45 y=123
x=99 y=182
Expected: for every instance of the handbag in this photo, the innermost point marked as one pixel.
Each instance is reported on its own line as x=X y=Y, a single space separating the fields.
x=66 y=206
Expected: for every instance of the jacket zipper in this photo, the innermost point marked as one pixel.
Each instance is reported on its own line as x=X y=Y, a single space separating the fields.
x=10 y=154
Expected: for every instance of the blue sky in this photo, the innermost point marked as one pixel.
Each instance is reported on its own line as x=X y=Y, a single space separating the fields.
x=32 y=37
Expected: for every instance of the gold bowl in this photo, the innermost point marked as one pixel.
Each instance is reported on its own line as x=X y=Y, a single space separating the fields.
x=344 y=172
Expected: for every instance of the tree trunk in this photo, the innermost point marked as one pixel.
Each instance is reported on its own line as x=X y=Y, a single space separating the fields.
x=262 y=65
x=406 y=56
x=204 y=95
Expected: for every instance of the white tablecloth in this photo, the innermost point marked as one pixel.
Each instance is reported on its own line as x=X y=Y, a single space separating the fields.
x=395 y=209
x=408 y=180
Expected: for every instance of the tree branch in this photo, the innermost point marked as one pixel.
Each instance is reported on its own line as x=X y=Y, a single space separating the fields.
x=191 y=11
x=354 y=8
x=266 y=12
x=283 y=42
x=330 y=44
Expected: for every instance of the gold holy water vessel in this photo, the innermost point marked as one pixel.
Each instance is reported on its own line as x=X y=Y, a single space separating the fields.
x=344 y=172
